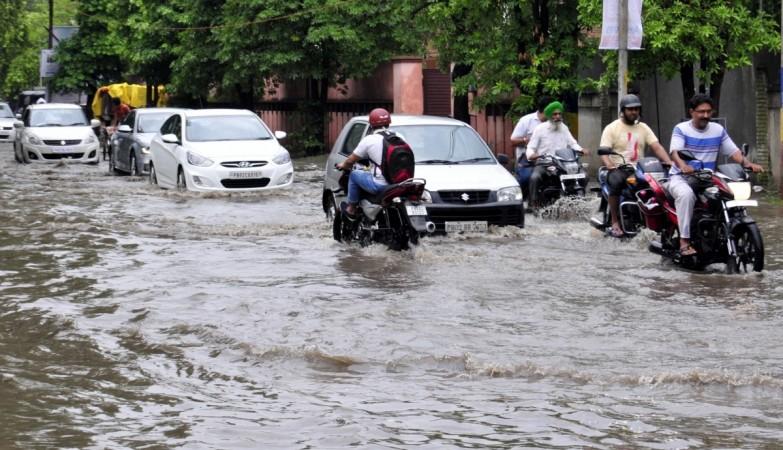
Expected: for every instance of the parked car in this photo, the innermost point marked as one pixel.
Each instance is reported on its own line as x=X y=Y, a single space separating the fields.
x=467 y=189
x=7 y=120
x=129 y=147
x=219 y=150
x=52 y=132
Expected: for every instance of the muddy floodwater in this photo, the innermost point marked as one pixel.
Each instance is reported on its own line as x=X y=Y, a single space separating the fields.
x=134 y=317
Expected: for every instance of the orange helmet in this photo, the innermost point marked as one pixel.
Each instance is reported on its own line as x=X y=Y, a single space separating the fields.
x=379 y=117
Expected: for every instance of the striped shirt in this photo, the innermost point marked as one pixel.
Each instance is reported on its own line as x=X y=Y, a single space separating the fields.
x=705 y=144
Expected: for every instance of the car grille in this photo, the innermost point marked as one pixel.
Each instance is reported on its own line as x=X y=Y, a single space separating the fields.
x=62 y=142
x=62 y=155
x=244 y=164
x=232 y=183
x=494 y=215
x=8 y=128
x=464 y=197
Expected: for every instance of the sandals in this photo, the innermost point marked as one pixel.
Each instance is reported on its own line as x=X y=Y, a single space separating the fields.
x=687 y=250
x=614 y=232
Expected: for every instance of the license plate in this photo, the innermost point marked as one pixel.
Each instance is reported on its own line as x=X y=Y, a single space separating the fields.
x=62 y=150
x=743 y=203
x=244 y=174
x=456 y=227
x=573 y=176
x=416 y=210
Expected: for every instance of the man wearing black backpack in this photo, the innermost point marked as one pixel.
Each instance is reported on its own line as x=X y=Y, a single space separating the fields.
x=382 y=171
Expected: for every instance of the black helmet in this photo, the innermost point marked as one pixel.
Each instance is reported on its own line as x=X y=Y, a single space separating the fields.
x=630 y=101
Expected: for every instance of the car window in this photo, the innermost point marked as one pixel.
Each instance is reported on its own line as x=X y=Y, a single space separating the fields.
x=151 y=122
x=129 y=119
x=57 y=117
x=355 y=134
x=176 y=127
x=26 y=117
x=5 y=111
x=225 y=128
x=453 y=143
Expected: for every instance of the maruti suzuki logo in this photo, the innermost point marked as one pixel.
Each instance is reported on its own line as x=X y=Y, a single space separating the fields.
x=465 y=197
x=62 y=142
x=244 y=164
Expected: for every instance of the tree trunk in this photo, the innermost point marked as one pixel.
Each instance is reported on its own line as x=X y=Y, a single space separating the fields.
x=461 y=107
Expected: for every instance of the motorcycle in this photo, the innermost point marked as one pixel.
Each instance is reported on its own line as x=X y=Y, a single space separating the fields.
x=722 y=231
x=631 y=218
x=564 y=176
x=394 y=217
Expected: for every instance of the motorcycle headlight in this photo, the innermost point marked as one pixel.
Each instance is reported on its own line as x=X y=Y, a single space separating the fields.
x=282 y=158
x=198 y=160
x=33 y=139
x=426 y=197
x=91 y=139
x=145 y=150
x=510 y=194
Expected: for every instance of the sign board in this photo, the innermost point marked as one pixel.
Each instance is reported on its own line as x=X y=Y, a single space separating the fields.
x=610 y=27
x=48 y=66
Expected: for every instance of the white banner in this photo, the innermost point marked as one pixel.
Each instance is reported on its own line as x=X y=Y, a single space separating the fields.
x=48 y=67
x=610 y=30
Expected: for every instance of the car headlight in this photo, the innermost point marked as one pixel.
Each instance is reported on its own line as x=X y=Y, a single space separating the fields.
x=145 y=150
x=33 y=139
x=282 y=158
x=198 y=160
x=91 y=139
x=426 y=197
x=510 y=194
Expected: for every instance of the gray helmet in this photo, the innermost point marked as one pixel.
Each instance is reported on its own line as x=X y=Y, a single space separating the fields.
x=630 y=101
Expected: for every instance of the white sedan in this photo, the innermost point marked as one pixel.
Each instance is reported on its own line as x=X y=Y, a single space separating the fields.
x=219 y=150
x=53 y=132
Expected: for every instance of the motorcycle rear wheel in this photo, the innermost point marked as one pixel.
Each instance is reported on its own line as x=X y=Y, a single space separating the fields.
x=750 y=250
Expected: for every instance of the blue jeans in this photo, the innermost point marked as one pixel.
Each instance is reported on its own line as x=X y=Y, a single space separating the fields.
x=524 y=171
x=361 y=180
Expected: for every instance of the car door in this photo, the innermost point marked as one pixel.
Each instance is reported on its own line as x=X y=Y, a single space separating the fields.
x=344 y=146
x=167 y=157
x=124 y=140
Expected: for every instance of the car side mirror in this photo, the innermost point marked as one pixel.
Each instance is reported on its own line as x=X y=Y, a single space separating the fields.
x=280 y=134
x=95 y=123
x=124 y=129
x=18 y=124
x=686 y=155
x=170 y=138
x=19 y=116
x=502 y=159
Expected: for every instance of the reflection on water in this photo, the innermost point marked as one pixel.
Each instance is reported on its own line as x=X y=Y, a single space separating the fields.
x=133 y=317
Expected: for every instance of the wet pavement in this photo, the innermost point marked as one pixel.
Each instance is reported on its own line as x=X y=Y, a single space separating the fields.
x=134 y=317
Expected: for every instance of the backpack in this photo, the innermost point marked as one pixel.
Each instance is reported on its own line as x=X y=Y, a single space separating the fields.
x=397 y=161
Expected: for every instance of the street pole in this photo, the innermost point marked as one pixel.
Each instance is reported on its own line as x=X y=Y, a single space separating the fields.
x=622 y=51
x=51 y=23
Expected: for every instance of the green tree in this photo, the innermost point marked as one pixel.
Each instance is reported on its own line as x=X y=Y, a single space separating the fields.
x=13 y=35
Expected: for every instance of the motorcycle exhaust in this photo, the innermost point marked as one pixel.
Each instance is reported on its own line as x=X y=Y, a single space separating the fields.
x=430 y=227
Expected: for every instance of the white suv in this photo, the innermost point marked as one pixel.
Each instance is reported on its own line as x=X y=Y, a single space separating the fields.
x=54 y=131
x=467 y=189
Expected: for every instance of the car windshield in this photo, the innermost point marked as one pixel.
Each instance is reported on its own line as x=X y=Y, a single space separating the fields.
x=445 y=144
x=5 y=112
x=225 y=128
x=151 y=122
x=57 y=118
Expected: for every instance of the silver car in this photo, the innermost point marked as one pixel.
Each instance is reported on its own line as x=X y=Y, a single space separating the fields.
x=53 y=132
x=129 y=147
x=7 y=120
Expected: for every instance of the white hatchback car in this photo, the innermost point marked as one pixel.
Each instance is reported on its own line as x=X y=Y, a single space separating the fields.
x=467 y=189
x=52 y=132
x=219 y=150
x=7 y=120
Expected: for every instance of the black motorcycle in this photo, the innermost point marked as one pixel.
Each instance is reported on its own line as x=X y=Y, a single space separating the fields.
x=631 y=216
x=394 y=217
x=564 y=176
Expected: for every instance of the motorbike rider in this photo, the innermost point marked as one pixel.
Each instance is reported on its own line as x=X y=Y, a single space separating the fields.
x=547 y=138
x=706 y=140
x=520 y=138
x=370 y=147
x=627 y=136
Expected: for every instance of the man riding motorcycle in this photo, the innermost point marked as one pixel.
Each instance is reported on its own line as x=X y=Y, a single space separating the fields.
x=520 y=137
x=547 y=138
x=370 y=147
x=627 y=136
x=706 y=140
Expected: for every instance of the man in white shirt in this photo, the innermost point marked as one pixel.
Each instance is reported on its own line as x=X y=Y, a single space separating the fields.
x=548 y=138
x=520 y=138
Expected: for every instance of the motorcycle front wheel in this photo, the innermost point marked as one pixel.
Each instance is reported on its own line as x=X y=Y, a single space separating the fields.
x=750 y=250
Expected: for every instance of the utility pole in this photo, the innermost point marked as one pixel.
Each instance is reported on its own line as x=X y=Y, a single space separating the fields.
x=622 y=51
x=51 y=23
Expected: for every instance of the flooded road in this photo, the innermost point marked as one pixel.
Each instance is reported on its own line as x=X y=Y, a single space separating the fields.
x=133 y=317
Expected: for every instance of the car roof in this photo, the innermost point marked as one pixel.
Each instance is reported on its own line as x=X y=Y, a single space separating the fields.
x=411 y=119
x=54 y=106
x=218 y=112
x=158 y=110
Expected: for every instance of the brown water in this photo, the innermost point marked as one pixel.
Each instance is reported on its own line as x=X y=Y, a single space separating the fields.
x=132 y=317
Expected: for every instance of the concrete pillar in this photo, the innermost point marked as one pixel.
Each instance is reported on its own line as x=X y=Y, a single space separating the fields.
x=408 y=85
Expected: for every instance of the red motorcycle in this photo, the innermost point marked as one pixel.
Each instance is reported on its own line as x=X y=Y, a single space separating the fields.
x=722 y=231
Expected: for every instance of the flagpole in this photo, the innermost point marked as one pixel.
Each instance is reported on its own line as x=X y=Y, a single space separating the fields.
x=622 y=51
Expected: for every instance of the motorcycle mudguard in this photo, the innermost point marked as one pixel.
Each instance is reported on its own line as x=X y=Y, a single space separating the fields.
x=737 y=221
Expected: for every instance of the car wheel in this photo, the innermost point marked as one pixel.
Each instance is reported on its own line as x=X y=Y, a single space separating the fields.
x=16 y=154
x=133 y=169
x=25 y=157
x=153 y=178
x=182 y=184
